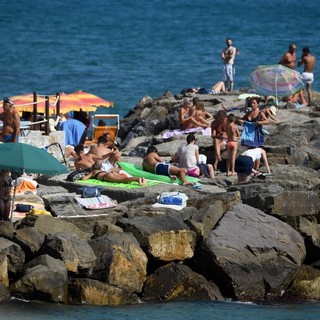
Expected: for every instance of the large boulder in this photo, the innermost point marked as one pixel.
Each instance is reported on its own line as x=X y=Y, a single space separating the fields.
x=12 y=255
x=94 y=292
x=175 y=282
x=30 y=240
x=164 y=237
x=251 y=256
x=306 y=284
x=50 y=225
x=5 y=295
x=44 y=278
x=120 y=261
x=211 y=210
x=75 y=252
x=4 y=277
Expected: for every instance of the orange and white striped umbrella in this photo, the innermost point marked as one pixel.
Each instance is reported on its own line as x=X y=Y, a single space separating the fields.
x=91 y=100
x=67 y=102
x=25 y=102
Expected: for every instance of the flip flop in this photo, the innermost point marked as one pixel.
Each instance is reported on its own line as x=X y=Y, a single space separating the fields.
x=197 y=186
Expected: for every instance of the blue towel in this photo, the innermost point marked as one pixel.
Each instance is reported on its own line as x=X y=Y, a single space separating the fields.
x=252 y=135
x=73 y=131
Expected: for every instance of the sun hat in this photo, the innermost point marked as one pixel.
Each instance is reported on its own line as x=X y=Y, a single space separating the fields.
x=186 y=101
x=273 y=110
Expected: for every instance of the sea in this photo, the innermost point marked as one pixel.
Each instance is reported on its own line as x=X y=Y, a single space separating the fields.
x=123 y=50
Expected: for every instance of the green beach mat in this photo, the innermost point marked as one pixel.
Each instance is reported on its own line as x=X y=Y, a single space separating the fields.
x=129 y=185
x=137 y=171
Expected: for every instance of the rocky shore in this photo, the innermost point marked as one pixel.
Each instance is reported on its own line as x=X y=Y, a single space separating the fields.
x=256 y=241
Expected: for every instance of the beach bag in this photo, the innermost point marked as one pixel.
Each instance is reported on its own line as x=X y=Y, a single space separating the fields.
x=173 y=198
x=77 y=175
x=90 y=192
x=20 y=207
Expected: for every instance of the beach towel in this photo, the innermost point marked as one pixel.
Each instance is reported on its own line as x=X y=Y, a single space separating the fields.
x=252 y=135
x=129 y=185
x=73 y=131
x=137 y=171
x=169 y=134
x=101 y=202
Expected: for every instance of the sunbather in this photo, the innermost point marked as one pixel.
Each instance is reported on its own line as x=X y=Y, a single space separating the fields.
x=154 y=164
x=117 y=175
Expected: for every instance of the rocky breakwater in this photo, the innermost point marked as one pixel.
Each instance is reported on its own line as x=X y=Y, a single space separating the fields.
x=256 y=241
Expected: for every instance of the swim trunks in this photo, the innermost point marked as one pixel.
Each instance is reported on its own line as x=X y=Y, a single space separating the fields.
x=244 y=164
x=307 y=77
x=9 y=138
x=228 y=72
x=231 y=144
x=162 y=168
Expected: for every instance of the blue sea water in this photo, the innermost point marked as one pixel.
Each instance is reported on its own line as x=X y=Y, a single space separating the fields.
x=123 y=50
x=164 y=311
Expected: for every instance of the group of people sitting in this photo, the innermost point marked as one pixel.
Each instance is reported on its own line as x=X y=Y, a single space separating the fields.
x=101 y=161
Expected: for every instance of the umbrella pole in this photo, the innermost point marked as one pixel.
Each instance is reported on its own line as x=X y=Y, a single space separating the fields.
x=13 y=198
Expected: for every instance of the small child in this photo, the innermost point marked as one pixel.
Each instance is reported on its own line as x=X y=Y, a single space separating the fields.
x=232 y=145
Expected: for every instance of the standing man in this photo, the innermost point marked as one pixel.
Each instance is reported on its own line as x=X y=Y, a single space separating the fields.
x=309 y=62
x=11 y=122
x=289 y=58
x=228 y=55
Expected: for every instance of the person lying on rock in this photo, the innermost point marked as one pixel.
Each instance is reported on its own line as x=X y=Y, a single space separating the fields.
x=117 y=175
x=154 y=164
x=86 y=161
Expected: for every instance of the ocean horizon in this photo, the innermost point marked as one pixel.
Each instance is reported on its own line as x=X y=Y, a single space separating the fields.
x=124 y=50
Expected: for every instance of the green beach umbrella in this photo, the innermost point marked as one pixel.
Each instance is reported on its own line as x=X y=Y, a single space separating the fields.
x=22 y=157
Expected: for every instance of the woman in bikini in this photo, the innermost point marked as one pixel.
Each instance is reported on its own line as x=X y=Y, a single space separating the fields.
x=117 y=175
x=5 y=200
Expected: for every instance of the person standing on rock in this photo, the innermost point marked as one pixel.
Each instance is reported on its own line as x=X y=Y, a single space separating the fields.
x=309 y=62
x=228 y=55
x=219 y=136
x=11 y=122
x=289 y=58
x=154 y=164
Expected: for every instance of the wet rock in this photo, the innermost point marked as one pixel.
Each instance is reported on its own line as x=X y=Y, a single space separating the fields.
x=89 y=291
x=44 y=279
x=164 y=237
x=177 y=282
x=75 y=252
x=5 y=295
x=120 y=261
